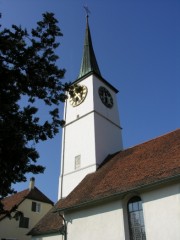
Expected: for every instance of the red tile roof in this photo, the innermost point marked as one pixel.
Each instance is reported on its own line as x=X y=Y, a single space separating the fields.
x=152 y=162
x=16 y=199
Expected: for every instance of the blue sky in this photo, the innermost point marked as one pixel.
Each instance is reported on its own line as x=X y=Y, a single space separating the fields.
x=137 y=46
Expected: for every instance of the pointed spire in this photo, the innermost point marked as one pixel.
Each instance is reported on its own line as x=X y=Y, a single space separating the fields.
x=89 y=63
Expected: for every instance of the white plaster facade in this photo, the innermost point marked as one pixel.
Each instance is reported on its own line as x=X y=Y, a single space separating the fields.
x=162 y=213
x=100 y=222
x=108 y=220
x=92 y=132
x=161 y=209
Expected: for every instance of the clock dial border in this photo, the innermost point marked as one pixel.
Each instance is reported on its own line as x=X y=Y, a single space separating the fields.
x=106 y=97
x=78 y=97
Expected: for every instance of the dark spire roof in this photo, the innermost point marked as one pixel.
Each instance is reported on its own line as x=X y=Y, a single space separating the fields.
x=89 y=63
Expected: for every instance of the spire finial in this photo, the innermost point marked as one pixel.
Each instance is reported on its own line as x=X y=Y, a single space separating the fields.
x=87 y=11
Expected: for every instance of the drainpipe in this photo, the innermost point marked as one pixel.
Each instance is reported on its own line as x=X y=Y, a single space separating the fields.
x=64 y=230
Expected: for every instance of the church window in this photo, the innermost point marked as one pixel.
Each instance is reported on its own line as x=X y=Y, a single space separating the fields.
x=136 y=219
x=77 y=162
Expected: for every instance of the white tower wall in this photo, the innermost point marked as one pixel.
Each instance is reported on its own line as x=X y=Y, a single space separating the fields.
x=91 y=133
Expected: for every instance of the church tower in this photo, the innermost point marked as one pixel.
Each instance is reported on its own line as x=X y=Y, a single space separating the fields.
x=92 y=128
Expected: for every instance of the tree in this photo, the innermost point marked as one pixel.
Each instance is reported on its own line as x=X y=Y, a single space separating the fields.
x=28 y=73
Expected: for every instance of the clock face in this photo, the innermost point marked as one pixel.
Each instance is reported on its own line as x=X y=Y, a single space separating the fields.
x=105 y=97
x=77 y=95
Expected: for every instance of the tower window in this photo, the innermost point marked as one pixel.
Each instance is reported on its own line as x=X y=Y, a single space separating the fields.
x=136 y=219
x=36 y=207
x=77 y=162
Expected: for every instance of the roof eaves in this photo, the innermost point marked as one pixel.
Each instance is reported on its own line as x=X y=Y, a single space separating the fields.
x=12 y=208
x=48 y=232
x=99 y=77
x=121 y=194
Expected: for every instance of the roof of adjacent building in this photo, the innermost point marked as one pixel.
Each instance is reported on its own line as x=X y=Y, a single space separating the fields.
x=13 y=201
x=148 y=164
x=52 y=222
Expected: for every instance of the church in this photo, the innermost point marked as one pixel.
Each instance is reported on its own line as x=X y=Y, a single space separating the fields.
x=106 y=191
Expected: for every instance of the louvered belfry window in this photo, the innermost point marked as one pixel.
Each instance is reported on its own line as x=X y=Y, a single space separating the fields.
x=136 y=219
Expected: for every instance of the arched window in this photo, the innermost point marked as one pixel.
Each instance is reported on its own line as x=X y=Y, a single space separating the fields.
x=136 y=219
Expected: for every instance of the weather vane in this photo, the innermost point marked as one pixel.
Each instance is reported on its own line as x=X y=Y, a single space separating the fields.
x=87 y=11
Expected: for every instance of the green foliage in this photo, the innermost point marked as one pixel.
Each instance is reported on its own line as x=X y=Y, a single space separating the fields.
x=28 y=69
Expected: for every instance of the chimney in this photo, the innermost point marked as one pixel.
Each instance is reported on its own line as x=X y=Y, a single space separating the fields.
x=31 y=183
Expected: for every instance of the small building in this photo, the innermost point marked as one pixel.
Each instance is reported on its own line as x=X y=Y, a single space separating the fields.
x=23 y=210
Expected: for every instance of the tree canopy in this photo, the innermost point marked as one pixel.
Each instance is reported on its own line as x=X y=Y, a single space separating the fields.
x=28 y=73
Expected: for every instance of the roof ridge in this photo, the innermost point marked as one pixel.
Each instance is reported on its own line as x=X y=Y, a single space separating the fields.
x=33 y=195
x=152 y=139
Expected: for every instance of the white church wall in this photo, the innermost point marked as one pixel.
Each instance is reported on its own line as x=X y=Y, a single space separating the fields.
x=100 y=222
x=91 y=133
x=93 y=102
x=162 y=213
x=107 y=142
x=111 y=113
x=85 y=107
x=79 y=141
x=91 y=148
x=161 y=208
